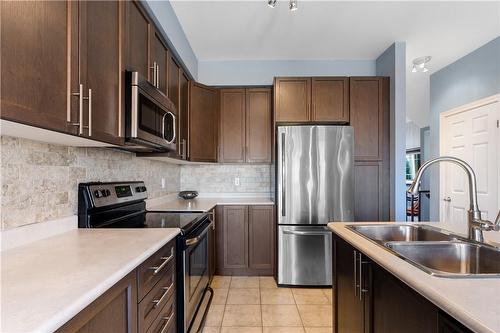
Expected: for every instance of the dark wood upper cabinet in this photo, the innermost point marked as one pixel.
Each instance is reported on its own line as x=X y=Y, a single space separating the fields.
x=137 y=27
x=173 y=80
x=100 y=70
x=369 y=114
x=232 y=125
x=203 y=123
x=34 y=61
x=258 y=125
x=330 y=99
x=292 y=99
x=158 y=64
x=183 y=115
x=261 y=235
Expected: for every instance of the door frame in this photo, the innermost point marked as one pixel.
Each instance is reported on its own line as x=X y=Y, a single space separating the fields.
x=442 y=146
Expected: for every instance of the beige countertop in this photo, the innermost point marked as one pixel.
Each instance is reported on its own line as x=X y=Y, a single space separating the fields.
x=45 y=283
x=474 y=302
x=206 y=204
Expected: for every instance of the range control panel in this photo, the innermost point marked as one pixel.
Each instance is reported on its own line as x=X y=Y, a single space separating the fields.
x=107 y=194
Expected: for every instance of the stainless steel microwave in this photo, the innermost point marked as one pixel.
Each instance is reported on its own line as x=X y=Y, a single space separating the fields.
x=149 y=116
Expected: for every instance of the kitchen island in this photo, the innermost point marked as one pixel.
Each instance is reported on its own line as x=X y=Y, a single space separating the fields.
x=474 y=302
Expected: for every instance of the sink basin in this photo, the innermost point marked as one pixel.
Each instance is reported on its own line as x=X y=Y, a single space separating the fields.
x=383 y=233
x=450 y=259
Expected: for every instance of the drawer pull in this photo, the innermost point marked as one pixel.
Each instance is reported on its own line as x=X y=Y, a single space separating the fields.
x=165 y=326
x=157 y=302
x=157 y=269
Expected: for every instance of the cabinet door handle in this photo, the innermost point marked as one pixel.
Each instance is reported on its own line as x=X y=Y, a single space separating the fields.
x=154 y=73
x=80 y=109
x=158 y=76
x=355 y=261
x=90 y=112
x=167 y=323
x=157 y=269
x=361 y=289
x=157 y=302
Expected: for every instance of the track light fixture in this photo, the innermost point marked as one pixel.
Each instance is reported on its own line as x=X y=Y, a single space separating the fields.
x=272 y=3
x=293 y=6
x=419 y=64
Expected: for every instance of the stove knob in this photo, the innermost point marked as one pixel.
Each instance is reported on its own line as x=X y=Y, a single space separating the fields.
x=106 y=193
x=97 y=194
x=144 y=189
x=138 y=189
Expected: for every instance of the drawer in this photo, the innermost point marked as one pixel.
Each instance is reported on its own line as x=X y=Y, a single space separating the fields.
x=151 y=271
x=166 y=321
x=154 y=302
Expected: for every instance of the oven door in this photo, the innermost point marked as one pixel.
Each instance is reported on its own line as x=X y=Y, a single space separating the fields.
x=196 y=270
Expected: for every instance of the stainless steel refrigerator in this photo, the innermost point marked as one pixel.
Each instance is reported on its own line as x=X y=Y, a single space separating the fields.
x=314 y=186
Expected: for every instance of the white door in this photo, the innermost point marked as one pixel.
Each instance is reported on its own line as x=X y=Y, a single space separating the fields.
x=472 y=134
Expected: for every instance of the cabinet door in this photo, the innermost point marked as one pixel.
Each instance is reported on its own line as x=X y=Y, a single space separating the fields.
x=100 y=68
x=330 y=99
x=203 y=121
x=371 y=191
x=396 y=306
x=232 y=125
x=258 y=125
x=159 y=62
x=137 y=27
x=183 y=116
x=352 y=309
x=173 y=80
x=261 y=237
x=34 y=59
x=114 y=311
x=293 y=99
x=369 y=113
x=235 y=237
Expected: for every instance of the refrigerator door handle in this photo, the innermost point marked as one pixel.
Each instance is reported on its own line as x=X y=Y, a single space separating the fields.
x=283 y=181
x=306 y=233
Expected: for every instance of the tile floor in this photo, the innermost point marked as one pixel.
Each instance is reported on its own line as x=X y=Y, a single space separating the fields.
x=256 y=305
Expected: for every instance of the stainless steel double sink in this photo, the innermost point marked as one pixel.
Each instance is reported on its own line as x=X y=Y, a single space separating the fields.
x=435 y=251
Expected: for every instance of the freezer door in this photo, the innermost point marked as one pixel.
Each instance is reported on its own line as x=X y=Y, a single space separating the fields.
x=305 y=255
x=315 y=174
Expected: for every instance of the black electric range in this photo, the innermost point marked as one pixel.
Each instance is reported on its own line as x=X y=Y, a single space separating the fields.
x=123 y=205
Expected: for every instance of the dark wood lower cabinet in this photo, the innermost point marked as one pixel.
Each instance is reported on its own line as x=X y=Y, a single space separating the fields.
x=143 y=301
x=367 y=298
x=245 y=240
x=114 y=311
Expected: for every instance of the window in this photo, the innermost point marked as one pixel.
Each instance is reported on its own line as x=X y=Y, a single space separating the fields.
x=412 y=163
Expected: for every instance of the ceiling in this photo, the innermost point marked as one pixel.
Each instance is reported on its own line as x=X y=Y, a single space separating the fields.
x=354 y=30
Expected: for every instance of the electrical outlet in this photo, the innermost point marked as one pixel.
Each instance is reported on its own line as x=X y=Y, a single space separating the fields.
x=237 y=181
x=163 y=183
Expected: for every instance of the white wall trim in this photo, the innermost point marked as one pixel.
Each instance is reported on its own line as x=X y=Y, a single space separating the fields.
x=442 y=116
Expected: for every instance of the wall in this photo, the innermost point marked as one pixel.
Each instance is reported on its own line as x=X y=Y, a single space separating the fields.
x=39 y=181
x=164 y=16
x=220 y=178
x=392 y=63
x=470 y=78
x=248 y=72
x=412 y=135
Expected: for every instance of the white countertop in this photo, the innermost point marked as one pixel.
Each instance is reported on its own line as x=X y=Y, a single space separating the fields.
x=474 y=302
x=204 y=204
x=47 y=282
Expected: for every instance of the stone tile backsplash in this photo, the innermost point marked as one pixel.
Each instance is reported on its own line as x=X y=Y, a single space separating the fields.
x=220 y=178
x=39 y=181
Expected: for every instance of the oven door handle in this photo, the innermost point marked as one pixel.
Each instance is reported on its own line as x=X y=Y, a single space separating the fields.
x=197 y=239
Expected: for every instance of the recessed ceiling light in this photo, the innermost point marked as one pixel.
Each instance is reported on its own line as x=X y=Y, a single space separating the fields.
x=420 y=63
x=293 y=5
x=272 y=3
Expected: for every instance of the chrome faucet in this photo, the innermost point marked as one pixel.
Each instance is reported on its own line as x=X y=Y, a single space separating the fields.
x=475 y=223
